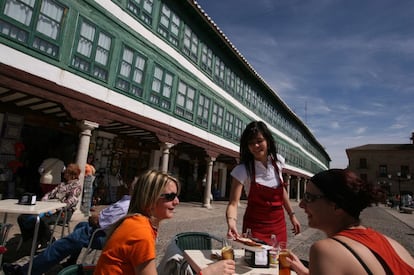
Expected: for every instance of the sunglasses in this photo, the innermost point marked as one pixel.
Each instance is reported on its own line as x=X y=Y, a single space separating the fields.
x=169 y=196
x=309 y=197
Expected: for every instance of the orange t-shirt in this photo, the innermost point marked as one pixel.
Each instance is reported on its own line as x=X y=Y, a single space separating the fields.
x=132 y=244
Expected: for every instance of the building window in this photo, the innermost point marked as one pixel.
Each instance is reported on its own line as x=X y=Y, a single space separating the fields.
x=228 y=125
x=238 y=128
x=248 y=97
x=217 y=118
x=169 y=26
x=141 y=9
x=161 y=88
x=206 y=59
x=239 y=89
x=383 y=170
x=92 y=51
x=203 y=110
x=185 y=101
x=363 y=163
x=230 y=81
x=404 y=171
x=131 y=72
x=37 y=24
x=219 y=69
x=190 y=44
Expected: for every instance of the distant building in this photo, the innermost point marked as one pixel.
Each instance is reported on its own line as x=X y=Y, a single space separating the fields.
x=389 y=165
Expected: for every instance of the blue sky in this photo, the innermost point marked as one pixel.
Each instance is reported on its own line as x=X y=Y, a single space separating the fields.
x=345 y=67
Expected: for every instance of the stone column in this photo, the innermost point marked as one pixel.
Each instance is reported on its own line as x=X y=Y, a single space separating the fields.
x=298 y=189
x=288 y=178
x=85 y=134
x=207 y=189
x=165 y=148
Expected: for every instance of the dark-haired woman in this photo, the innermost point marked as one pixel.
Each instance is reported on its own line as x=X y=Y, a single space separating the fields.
x=333 y=202
x=260 y=174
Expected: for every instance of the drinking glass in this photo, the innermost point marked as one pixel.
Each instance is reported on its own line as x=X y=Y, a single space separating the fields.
x=284 y=266
x=227 y=252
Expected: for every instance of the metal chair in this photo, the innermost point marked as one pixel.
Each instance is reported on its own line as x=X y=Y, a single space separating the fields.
x=81 y=267
x=194 y=240
x=77 y=269
x=197 y=240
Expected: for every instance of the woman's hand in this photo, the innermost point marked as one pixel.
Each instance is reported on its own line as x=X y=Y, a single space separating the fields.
x=220 y=267
x=295 y=224
x=232 y=232
x=297 y=265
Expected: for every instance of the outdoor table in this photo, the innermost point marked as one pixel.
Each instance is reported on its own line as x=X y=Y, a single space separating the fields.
x=199 y=259
x=12 y=206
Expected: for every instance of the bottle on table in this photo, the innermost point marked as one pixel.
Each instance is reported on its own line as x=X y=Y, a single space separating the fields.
x=274 y=251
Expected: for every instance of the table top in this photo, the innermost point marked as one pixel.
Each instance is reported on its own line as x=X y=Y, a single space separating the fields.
x=199 y=259
x=12 y=206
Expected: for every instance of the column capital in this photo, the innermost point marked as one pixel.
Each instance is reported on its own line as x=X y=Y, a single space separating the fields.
x=166 y=145
x=87 y=125
x=210 y=159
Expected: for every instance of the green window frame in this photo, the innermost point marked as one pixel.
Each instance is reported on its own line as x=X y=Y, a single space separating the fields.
x=92 y=50
x=238 y=128
x=190 y=43
x=206 y=60
x=254 y=98
x=36 y=24
x=230 y=81
x=131 y=72
x=239 y=89
x=161 y=88
x=217 y=115
x=228 y=124
x=248 y=97
x=219 y=69
x=203 y=110
x=185 y=101
x=169 y=25
x=141 y=9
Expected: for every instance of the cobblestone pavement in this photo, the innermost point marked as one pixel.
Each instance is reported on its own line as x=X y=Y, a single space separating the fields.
x=191 y=216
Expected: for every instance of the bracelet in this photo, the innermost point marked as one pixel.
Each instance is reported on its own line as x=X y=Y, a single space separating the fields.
x=291 y=213
x=232 y=218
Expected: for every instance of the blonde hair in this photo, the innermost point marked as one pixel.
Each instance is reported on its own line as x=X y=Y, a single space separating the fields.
x=148 y=189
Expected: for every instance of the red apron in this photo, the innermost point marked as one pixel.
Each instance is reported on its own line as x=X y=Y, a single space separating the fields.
x=264 y=213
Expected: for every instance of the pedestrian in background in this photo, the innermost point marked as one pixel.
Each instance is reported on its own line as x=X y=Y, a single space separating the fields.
x=50 y=172
x=333 y=202
x=260 y=174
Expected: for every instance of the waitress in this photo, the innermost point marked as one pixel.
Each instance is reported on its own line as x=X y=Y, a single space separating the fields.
x=260 y=173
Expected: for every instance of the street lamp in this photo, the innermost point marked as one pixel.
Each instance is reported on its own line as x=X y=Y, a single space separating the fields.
x=400 y=179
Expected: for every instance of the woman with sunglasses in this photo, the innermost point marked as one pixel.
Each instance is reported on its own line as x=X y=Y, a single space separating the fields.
x=333 y=202
x=130 y=247
x=260 y=174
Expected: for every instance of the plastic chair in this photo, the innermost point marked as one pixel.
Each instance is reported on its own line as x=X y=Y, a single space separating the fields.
x=196 y=240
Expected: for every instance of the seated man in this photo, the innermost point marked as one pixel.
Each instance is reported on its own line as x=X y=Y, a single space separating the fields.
x=72 y=244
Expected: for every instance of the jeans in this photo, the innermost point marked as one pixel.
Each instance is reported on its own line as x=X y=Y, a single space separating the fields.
x=27 y=225
x=70 y=245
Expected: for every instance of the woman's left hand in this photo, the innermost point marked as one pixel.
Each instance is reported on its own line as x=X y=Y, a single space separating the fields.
x=295 y=224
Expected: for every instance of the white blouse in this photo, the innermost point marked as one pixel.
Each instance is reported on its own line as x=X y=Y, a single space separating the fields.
x=265 y=176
